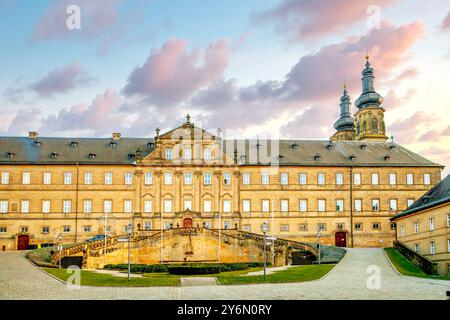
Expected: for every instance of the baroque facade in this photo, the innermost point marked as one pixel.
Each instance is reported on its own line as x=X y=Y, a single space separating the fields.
x=343 y=190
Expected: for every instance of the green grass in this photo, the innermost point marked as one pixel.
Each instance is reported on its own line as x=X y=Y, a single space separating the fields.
x=406 y=267
x=90 y=278
x=292 y=274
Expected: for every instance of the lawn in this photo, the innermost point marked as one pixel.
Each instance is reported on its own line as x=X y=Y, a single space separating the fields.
x=293 y=274
x=406 y=267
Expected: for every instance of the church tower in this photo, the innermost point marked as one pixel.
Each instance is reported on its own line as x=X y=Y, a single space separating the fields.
x=345 y=124
x=369 y=119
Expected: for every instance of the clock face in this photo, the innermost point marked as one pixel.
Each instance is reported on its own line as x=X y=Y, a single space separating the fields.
x=188 y=131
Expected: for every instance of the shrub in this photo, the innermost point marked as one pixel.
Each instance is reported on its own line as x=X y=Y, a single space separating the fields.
x=194 y=269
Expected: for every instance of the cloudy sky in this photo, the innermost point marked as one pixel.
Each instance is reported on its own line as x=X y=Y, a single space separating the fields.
x=249 y=67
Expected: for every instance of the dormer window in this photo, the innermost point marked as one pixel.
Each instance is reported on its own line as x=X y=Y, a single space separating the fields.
x=131 y=156
x=258 y=145
x=363 y=146
x=74 y=144
x=54 y=155
x=392 y=146
x=10 y=155
x=280 y=157
x=168 y=154
x=352 y=157
x=330 y=145
x=387 y=157
x=150 y=144
x=92 y=156
x=317 y=157
x=37 y=143
x=113 y=144
x=294 y=146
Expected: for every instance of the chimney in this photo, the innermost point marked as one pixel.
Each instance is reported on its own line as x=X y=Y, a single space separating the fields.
x=33 y=135
x=116 y=136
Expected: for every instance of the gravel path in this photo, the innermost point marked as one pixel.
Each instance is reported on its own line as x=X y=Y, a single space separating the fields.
x=19 y=279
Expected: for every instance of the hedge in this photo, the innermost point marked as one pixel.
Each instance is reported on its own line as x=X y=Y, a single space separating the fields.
x=150 y=268
x=194 y=269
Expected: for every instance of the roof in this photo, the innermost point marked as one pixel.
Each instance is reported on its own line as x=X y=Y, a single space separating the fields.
x=250 y=152
x=438 y=195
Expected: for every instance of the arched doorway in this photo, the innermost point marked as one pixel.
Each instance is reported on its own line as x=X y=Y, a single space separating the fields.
x=340 y=239
x=22 y=242
x=187 y=223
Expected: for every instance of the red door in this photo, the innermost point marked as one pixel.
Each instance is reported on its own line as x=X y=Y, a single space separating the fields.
x=187 y=223
x=22 y=242
x=340 y=239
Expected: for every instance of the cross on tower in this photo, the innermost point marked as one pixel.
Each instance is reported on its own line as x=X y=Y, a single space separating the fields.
x=188 y=119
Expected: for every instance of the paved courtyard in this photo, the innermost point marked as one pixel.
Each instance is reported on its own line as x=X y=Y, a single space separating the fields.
x=19 y=279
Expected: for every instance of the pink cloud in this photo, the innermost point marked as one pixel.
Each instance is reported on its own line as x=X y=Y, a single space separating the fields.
x=446 y=22
x=409 y=130
x=393 y=101
x=302 y=19
x=173 y=73
x=19 y=123
x=61 y=80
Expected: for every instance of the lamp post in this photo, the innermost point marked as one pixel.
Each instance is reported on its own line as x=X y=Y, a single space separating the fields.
x=265 y=229
x=129 y=230
x=318 y=244
x=55 y=234
x=60 y=238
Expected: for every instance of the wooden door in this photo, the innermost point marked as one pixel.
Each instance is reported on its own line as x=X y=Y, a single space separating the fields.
x=340 y=239
x=22 y=242
x=187 y=223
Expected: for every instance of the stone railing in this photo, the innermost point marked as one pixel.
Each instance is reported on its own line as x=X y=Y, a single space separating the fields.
x=428 y=266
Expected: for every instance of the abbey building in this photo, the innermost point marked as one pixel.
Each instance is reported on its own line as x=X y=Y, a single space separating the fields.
x=343 y=190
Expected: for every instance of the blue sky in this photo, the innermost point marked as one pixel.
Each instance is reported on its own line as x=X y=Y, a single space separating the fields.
x=249 y=66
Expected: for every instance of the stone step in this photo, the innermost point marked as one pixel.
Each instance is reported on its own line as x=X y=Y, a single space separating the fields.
x=198 y=281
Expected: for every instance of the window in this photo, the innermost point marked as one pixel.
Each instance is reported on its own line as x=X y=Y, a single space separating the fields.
x=167 y=205
x=26 y=178
x=168 y=178
x=246 y=205
x=147 y=225
x=207 y=206
x=187 y=153
x=376 y=226
x=339 y=205
x=127 y=206
x=88 y=178
x=340 y=226
x=358 y=226
x=375 y=204
x=226 y=205
x=402 y=230
x=302 y=178
x=207 y=154
x=208 y=224
x=321 y=227
x=47 y=178
x=67 y=206
x=148 y=178
x=87 y=228
x=169 y=154
x=226 y=224
x=25 y=206
x=409 y=178
x=3 y=229
x=265 y=205
x=358 y=204
x=24 y=229
x=4 y=206
x=432 y=247
x=67 y=177
x=66 y=229
x=246 y=227
x=357 y=178
x=188 y=178
x=426 y=178
x=431 y=222
x=148 y=206
x=409 y=202
x=284 y=178
x=265 y=178
x=207 y=178
x=320 y=179
x=284 y=205
x=284 y=227
x=87 y=206
x=321 y=205
x=392 y=179
x=246 y=178
x=128 y=178
x=167 y=225
x=448 y=245
x=107 y=206
x=303 y=227
x=375 y=178
x=392 y=225
x=339 y=179
x=416 y=248
x=46 y=206
x=45 y=229
x=448 y=219
x=226 y=178
x=303 y=205
x=5 y=177
x=108 y=178
x=393 y=204
x=187 y=205
x=416 y=227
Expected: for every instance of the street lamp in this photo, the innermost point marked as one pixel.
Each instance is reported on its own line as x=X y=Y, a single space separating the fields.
x=265 y=229
x=55 y=234
x=129 y=230
x=60 y=238
x=318 y=244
